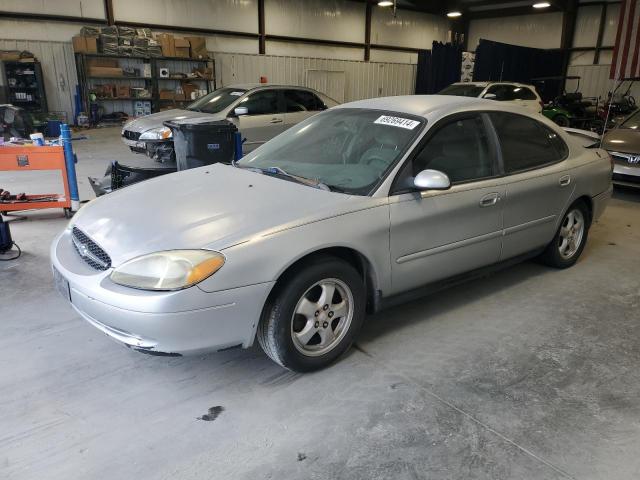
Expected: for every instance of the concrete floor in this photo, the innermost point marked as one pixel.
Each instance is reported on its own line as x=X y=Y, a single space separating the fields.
x=531 y=373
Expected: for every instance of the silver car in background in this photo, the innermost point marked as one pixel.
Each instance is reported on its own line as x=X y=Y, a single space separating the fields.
x=259 y=111
x=354 y=209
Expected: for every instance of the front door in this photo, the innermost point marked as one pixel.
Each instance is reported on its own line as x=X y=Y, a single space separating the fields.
x=438 y=234
x=264 y=120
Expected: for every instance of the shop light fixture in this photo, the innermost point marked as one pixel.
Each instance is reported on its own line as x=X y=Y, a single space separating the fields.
x=541 y=5
x=385 y=3
x=454 y=14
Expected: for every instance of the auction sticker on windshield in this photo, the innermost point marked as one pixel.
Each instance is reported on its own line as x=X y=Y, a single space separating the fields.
x=397 y=122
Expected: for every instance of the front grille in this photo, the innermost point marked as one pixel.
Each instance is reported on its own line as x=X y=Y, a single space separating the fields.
x=626 y=179
x=627 y=159
x=129 y=135
x=89 y=250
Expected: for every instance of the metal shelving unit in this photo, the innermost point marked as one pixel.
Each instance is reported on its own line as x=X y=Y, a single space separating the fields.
x=25 y=85
x=87 y=82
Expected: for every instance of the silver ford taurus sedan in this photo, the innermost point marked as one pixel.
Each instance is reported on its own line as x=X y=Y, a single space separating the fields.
x=351 y=210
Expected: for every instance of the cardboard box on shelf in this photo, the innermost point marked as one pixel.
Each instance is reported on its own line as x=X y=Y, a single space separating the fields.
x=168 y=44
x=79 y=44
x=182 y=47
x=167 y=95
x=205 y=73
x=91 y=44
x=190 y=90
x=198 y=47
x=105 y=72
x=10 y=55
x=124 y=91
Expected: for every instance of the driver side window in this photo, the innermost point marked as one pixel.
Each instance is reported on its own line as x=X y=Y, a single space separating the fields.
x=461 y=149
x=262 y=103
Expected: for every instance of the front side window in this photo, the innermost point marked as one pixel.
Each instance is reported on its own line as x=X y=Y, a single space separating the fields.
x=502 y=92
x=633 y=122
x=347 y=149
x=526 y=143
x=461 y=149
x=264 y=102
x=301 y=101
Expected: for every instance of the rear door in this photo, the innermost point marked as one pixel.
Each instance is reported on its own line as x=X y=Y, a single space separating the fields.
x=525 y=97
x=264 y=120
x=538 y=184
x=300 y=105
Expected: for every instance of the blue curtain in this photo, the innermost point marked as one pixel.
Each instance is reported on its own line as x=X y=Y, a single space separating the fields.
x=501 y=61
x=438 y=68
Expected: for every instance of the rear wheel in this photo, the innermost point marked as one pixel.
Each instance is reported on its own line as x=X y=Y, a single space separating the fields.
x=314 y=315
x=561 y=120
x=570 y=239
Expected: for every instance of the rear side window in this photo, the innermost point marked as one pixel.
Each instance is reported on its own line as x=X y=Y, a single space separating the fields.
x=523 y=93
x=302 y=100
x=526 y=143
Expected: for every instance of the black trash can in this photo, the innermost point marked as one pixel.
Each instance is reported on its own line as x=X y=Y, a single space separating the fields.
x=202 y=143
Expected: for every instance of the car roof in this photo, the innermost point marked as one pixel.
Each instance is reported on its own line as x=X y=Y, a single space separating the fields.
x=253 y=86
x=486 y=84
x=423 y=105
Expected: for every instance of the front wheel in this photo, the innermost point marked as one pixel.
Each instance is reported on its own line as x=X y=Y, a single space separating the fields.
x=314 y=315
x=570 y=239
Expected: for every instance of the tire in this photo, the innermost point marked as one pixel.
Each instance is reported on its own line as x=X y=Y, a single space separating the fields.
x=300 y=328
x=561 y=120
x=563 y=252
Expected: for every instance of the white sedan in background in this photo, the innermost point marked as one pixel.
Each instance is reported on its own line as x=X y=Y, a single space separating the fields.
x=513 y=93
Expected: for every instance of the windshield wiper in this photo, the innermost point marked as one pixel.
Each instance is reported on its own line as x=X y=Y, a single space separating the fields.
x=303 y=180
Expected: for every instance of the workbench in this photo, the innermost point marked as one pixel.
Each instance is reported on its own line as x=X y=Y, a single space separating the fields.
x=32 y=158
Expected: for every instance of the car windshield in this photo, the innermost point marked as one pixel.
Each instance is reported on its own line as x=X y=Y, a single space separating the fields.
x=217 y=100
x=467 y=90
x=633 y=122
x=348 y=150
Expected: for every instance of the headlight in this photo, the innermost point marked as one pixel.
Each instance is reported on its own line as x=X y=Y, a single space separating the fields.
x=161 y=133
x=169 y=270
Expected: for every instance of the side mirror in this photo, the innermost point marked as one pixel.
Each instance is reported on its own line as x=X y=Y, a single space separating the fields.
x=490 y=96
x=239 y=111
x=431 y=180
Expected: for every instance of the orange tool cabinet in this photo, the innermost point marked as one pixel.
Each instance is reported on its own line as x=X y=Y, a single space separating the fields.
x=30 y=158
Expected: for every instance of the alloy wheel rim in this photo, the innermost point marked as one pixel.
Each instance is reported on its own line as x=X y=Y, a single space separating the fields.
x=571 y=233
x=322 y=317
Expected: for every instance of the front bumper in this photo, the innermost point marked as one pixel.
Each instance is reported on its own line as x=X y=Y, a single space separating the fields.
x=135 y=145
x=182 y=322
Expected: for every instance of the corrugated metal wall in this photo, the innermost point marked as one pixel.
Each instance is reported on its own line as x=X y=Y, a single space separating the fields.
x=361 y=79
x=595 y=81
x=58 y=68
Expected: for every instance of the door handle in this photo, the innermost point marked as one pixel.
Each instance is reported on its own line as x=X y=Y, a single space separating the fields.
x=564 y=180
x=276 y=120
x=489 y=200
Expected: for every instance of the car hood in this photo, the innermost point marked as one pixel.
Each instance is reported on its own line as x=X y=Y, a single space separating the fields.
x=622 y=140
x=214 y=207
x=155 y=120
